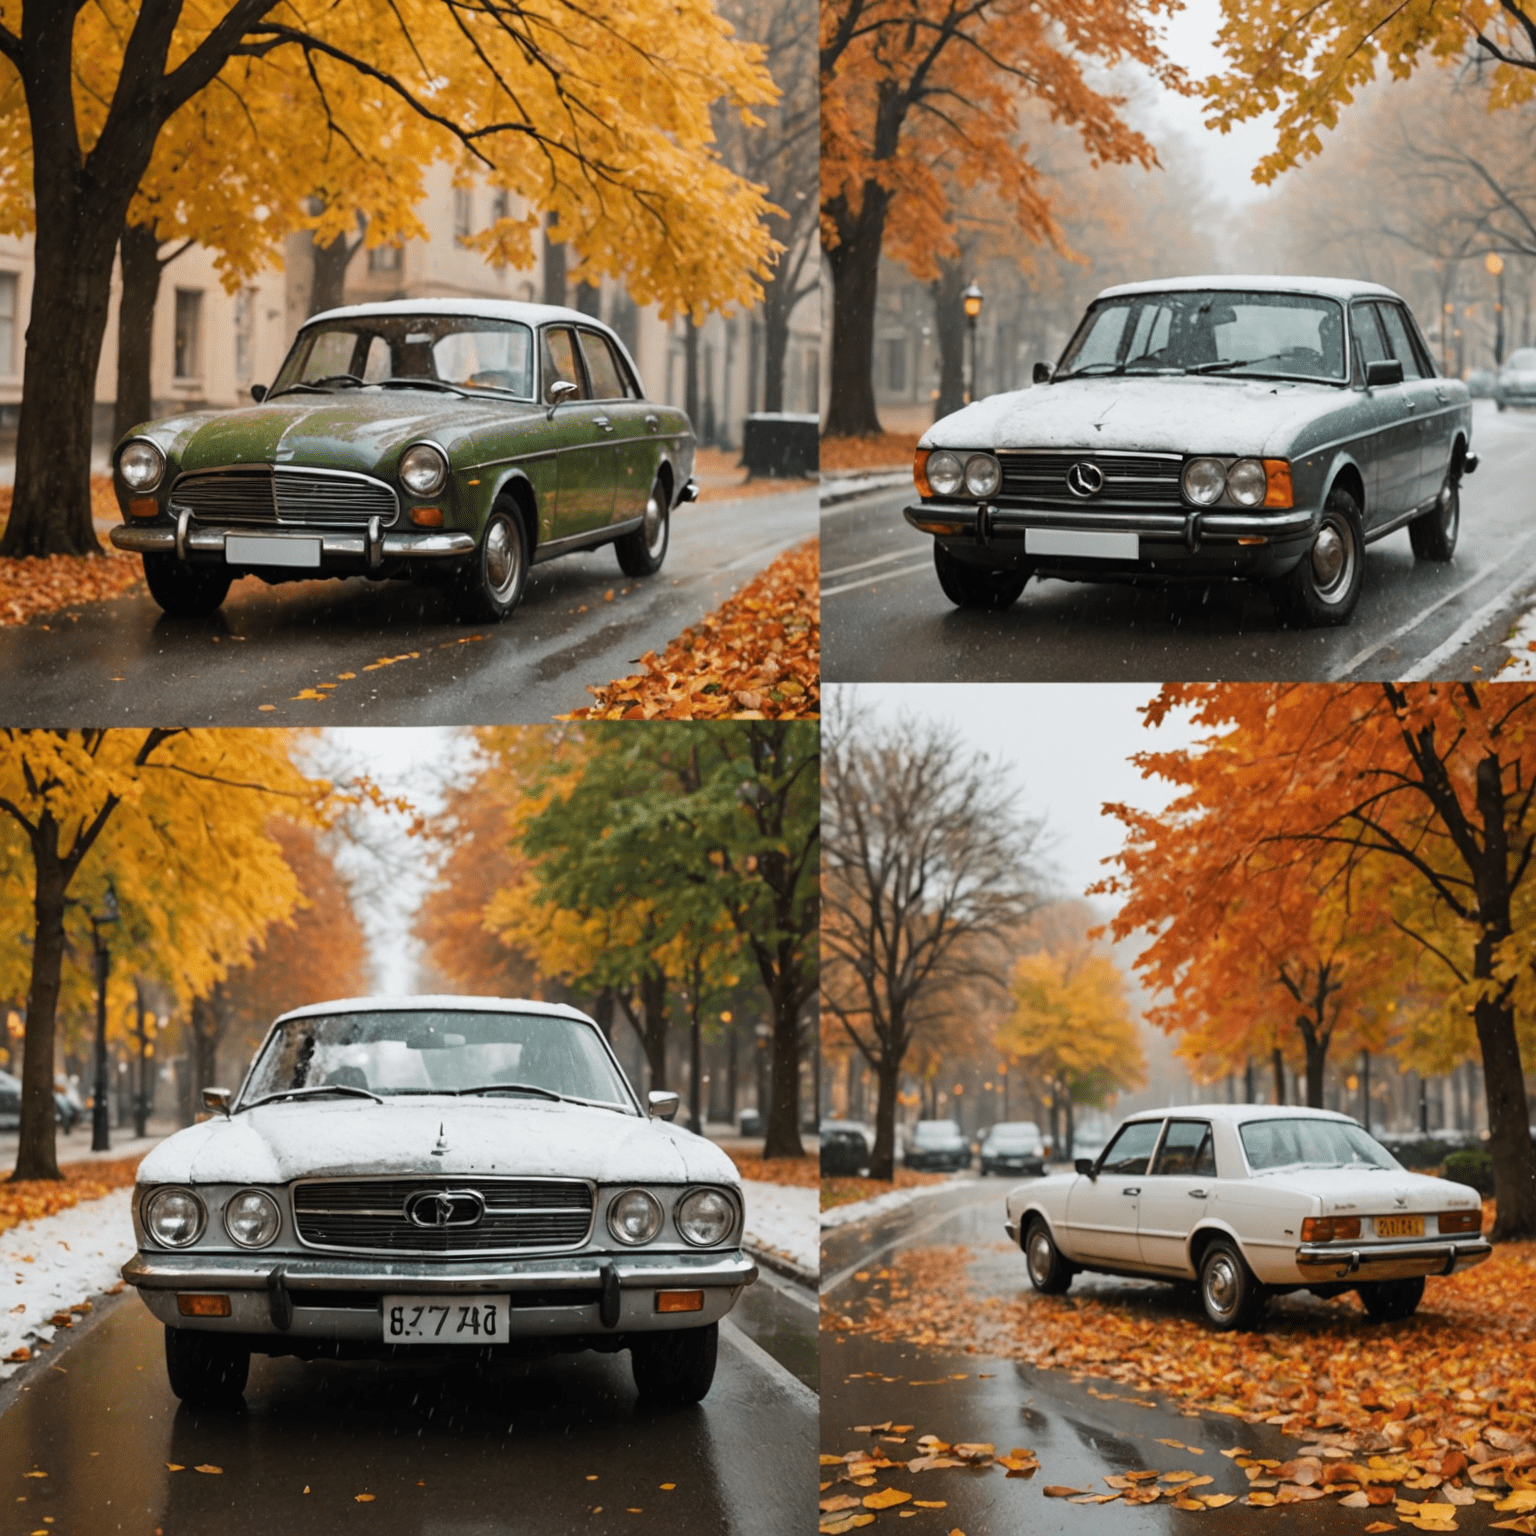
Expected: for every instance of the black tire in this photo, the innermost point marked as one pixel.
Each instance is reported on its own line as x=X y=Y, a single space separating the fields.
x=1049 y=1273
x=988 y=588
x=675 y=1368
x=641 y=552
x=1390 y=1301
x=183 y=590
x=1324 y=586
x=1433 y=535
x=491 y=585
x=206 y=1369
x=1231 y=1295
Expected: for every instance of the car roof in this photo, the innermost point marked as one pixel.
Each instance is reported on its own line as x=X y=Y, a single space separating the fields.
x=485 y=309
x=1328 y=287
x=1237 y=1113
x=403 y=1002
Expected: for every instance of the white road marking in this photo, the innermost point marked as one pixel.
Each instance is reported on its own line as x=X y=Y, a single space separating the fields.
x=757 y=1356
x=849 y=586
x=1466 y=630
x=843 y=570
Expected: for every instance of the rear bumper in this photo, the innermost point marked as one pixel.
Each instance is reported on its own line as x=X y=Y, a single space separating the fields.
x=340 y=548
x=1396 y=1261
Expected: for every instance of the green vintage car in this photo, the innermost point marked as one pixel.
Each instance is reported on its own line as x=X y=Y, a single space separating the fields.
x=453 y=440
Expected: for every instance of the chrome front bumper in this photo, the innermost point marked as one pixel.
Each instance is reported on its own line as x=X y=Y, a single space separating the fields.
x=1186 y=527
x=160 y=540
x=1397 y=1261
x=339 y=1298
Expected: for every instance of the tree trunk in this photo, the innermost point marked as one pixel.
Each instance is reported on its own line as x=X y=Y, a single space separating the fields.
x=1315 y=1043
x=784 y=1100
x=855 y=264
x=1071 y=1129
x=205 y=1025
x=775 y=339
x=1509 y=1136
x=882 y=1162
x=691 y=374
x=554 y=265
x=695 y=1069
x=1277 y=1062
x=653 y=1003
x=602 y=1013
x=328 y=284
x=949 y=327
x=139 y=260
x=37 y=1149
x=731 y=1069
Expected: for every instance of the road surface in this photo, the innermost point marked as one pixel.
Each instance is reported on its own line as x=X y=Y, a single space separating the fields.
x=388 y=653
x=884 y=618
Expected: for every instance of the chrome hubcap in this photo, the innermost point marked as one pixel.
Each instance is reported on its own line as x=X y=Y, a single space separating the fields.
x=501 y=558
x=655 y=524
x=1221 y=1285
x=1039 y=1256
x=1332 y=554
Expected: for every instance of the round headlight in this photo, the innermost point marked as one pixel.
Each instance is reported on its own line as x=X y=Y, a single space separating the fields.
x=944 y=473
x=423 y=470
x=1204 y=481
x=141 y=465
x=252 y=1219
x=705 y=1216
x=174 y=1217
x=634 y=1217
x=983 y=474
x=1246 y=483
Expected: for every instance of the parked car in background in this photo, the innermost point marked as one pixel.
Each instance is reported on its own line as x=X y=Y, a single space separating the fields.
x=1516 y=383
x=1013 y=1146
x=846 y=1147
x=455 y=440
x=750 y=1123
x=10 y=1102
x=1250 y=1201
x=1267 y=428
x=936 y=1145
x=68 y=1106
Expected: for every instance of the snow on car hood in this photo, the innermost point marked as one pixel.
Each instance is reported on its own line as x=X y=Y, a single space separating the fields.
x=1347 y=1191
x=1157 y=415
x=280 y=1142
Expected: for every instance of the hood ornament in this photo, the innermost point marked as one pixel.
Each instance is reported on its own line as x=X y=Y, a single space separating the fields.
x=442 y=1140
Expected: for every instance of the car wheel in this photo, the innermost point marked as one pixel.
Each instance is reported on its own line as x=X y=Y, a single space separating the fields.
x=675 y=1368
x=1324 y=585
x=977 y=586
x=1232 y=1297
x=1049 y=1273
x=183 y=590
x=1390 y=1301
x=206 y=1369
x=1433 y=536
x=641 y=552
x=491 y=585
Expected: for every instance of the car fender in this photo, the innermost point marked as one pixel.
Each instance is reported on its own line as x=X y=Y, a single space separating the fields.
x=1027 y=1213
x=1346 y=470
x=1214 y=1226
x=514 y=483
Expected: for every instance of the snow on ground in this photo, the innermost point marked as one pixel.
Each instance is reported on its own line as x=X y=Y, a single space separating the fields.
x=781 y=1219
x=893 y=1200
x=58 y=1262
x=1521 y=666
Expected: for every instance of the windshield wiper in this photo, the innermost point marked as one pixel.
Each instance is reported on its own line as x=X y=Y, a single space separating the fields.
x=545 y=1093
x=401 y=383
x=1090 y=369
x=302 y=1093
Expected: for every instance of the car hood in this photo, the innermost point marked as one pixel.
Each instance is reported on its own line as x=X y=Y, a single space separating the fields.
x=344 y=431
x=280 y=1142
x=1162 y=415
x=1345 y=1191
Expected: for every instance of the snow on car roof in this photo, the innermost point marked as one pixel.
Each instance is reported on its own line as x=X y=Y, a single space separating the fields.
x=1330 y=287
x=485 y=309
x=1240 y=1112
x=426 y=1002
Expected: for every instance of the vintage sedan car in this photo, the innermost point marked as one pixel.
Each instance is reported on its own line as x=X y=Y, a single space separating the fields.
x=456 y=440
x=1249 y=1201
x=936 y=1145
x=1013 y=1146
x=1515 y=383
x=433 y=1177
x=1266 y=428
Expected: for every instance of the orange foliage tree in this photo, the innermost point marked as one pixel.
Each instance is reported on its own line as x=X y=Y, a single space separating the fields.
x=922 y=96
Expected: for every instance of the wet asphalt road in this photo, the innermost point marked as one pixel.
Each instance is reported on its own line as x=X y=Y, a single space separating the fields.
x=884 y=618
x=1079 y=1438
x=547 y=1447
x=124 y=663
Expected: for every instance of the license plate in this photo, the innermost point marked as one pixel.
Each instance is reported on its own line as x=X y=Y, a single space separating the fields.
x=1399 y=1226
x=445 y=1319
x=1090 y=543
x=271 y=549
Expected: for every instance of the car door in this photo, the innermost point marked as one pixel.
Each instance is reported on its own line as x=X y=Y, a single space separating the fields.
x=633 y=421
x=584 y=492
x=1391 y=450
x=1434 y=416
x=1102 y=1212
x=1174 y=1195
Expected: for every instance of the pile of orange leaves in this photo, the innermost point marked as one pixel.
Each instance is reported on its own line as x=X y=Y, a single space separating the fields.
x=756 y=657
x=802 y=1172
x=846 y=1191
x=842 y=1512
x=31 y=587
x=34 y=1198
x=882 y=450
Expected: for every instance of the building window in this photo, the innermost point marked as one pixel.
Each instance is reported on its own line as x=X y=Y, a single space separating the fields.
x=9 y=285
x=463 y=213
x=189 y=333
x=498 y=204
x=384 y=258
x=896 y=363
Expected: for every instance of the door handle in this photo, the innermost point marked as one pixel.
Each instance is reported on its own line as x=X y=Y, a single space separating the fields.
x=603 y=422
x=1135 y=1189
x=1197 y=1194
x=654 y=422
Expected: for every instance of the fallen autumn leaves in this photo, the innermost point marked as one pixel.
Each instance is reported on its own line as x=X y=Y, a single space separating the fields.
x=34 y=1198
x=756 y=657
x=31 y=587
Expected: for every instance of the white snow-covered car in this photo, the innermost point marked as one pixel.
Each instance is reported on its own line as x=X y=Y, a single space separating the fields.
x=1250 y=1201
x=437 y=1176
x=1516 y=382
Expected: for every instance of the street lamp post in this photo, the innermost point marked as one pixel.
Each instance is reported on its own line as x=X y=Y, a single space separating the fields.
x=972 y=299
x=100 y=1140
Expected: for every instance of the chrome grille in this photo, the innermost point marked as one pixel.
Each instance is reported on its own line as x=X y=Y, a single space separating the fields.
x=267 y=498
x=1130 y=479
x=368 y=1215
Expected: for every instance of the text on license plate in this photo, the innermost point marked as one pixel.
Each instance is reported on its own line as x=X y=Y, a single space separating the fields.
x=1399 y=1226
x=445 y=1319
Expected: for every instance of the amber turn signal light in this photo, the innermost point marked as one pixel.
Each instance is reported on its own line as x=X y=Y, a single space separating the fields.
x=920 y=472
x=1330 y=1229
x=427 y=517
x=144 y=506
x=1461 y=1221
x=202 y=1306
x=679 y=1301
x=1277 y=483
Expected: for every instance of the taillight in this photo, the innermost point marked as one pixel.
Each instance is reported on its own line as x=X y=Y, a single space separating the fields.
x=1461 y=1221
x=1330 y=1229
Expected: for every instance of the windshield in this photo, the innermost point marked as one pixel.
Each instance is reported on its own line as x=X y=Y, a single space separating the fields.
x=1522 y=360
x=420 y=1051
x=462 y=352
x=1013 y=1136
x=1273 y=335
x=1297 y=1143
x=936 y=1132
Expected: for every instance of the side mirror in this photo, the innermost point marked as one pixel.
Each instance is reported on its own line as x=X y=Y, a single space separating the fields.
x=1084 y=1165
x=1042 y=373
x=1383 y=371
x=662 y=1106
x=258 y=393
x=218 y=1099
x=559 y=392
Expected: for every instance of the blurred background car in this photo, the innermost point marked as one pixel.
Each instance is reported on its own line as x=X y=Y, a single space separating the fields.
x=846 y=1146
x=1516 y=383
x=936 y=1145
x=1013 y=1146
x=10 y=1102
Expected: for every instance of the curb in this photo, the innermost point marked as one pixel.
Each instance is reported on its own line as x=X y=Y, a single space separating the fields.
x=780 y=1265
x=868 y=485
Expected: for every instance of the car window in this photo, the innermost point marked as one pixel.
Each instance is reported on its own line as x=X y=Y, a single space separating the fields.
x=1298 y=1142
x=1131 y=1148
x=603 y=368
x=1187 y=1149
x=467 y=351
x=332 y=352
x=1397 y=338
x=376 y=363
x=487 y=356
x=1369 y=342
x=560 y=364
